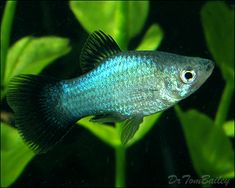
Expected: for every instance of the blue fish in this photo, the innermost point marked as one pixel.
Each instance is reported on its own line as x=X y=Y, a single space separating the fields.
x=116 y=86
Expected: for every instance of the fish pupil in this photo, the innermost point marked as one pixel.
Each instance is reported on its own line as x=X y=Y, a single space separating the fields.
x=188 y=75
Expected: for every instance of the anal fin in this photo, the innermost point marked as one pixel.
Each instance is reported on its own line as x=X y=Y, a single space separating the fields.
x=130 y=127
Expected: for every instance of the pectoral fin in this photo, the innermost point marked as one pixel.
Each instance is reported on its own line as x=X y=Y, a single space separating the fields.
x=108 y=118
x=130 y=127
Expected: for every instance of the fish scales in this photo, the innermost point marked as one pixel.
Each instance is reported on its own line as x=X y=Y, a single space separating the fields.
x=116 y=86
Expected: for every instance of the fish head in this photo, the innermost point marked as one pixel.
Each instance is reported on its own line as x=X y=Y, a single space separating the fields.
x=192 y=73
x=185 y=75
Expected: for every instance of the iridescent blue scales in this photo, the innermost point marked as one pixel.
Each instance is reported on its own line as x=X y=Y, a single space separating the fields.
x=115 y=86
x=124 y=84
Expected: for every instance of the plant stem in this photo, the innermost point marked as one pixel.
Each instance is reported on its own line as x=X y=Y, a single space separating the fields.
x=224 y=105
x=6 y=26
x=122 y=38
x=120 y=154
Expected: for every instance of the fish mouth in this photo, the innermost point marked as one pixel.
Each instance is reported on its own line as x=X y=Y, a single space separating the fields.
x=206 y=71
x=210 y=66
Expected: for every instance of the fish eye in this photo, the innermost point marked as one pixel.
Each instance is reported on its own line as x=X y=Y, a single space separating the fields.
x=188 y=76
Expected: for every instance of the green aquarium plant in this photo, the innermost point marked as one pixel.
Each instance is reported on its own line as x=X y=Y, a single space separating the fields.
x=31 y=55
x=211 y=155
x=28 y=55
x=114 y=21
x=208 y=139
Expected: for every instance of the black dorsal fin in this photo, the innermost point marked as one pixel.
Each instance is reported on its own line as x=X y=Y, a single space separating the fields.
x=98 y=47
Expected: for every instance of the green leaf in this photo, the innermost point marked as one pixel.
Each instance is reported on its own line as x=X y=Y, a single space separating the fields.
x=6 y=26
x=152 y=38
x=218 y=24
x=229 y=128
x=30 y=55
x=106 y=133
x=15 y=155
x=111 y=16
x=136 y=9
x=145 y=127
x=14 y=53
x=210 y=149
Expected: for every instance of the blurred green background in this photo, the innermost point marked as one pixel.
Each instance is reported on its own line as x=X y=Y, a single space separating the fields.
x=176 y=145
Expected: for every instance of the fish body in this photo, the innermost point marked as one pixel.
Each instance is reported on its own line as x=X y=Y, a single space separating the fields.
x=115 y=86
x=133 y=83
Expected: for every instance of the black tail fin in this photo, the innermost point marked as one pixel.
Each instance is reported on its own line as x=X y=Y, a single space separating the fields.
x=38 y=112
